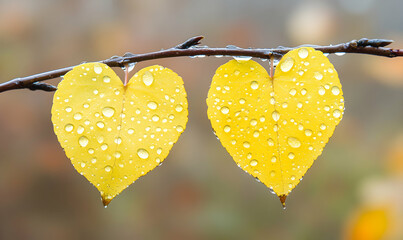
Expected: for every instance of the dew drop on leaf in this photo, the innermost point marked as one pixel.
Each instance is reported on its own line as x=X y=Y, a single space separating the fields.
x=148 y=78
x=142 y=153
x=83 y=141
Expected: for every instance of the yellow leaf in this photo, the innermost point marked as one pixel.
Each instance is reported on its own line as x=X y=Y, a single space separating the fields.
x=275 y=128
x=114 y=134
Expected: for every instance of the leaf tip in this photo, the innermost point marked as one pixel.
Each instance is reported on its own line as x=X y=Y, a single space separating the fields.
x=282 y=200
x=106 y=201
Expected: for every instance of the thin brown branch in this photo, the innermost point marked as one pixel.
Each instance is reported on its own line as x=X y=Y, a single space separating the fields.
x=189 y=48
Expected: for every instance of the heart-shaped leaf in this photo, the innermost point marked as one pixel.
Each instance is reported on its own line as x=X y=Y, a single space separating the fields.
x=114 y=134
x=275 y=128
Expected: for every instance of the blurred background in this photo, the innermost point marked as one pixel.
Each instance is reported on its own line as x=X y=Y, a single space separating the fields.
x=353 y=191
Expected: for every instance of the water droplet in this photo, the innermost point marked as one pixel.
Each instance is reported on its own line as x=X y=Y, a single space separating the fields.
x=68 y=109
x=308 y=132
x=100 y=124
x=108 y=168
x=327 y=108
x=227 y=128
x=294 y=142
x=179 y=128
x=330 y=70
x=80 y=129
x=130 y=67
x=78 y=116
x=225 y=110
x=303 y=53
x=284 y=105
x=104 y=146
x=242 y=101
x=82 y=164
x=293 y=91
x=291 y=155
x=91 y=151
x=254 y=85
x=299 y=105
x=256 y=134
x=272 y=174
x=275 y=115
x=130 y=131
x=335 y=90
x=272 y=101
x=322 y=91
x=83 y=141
x=108 y=111
x=148 y=78
x=318 y=75
x=246 y=145
x=340 y=53
x=287 y=64
x=142 y=153
x=118 y=154
x=322 y=126
x=94 y=160
x=253 y=122
x=68 y=127
x=178 y=108
x=155 y=118
x=292 y=178
x=152 y=105
x=242 y=58
x=273 y=159
x=253 y=163
x=118 y=140
x=303 y=91
x=107 y=79
x=97 y=69
x=270 y=142
x=336 y=113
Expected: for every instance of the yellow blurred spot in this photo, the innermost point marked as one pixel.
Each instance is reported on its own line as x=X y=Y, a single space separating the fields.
x=114 y=134
x=371 y=224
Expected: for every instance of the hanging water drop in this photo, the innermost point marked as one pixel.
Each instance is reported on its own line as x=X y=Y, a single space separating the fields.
x=130 y=67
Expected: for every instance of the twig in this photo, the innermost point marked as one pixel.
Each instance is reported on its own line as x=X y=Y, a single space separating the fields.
x=188 y=48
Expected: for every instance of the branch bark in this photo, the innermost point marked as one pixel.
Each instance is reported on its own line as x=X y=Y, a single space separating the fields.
x=190 y=48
